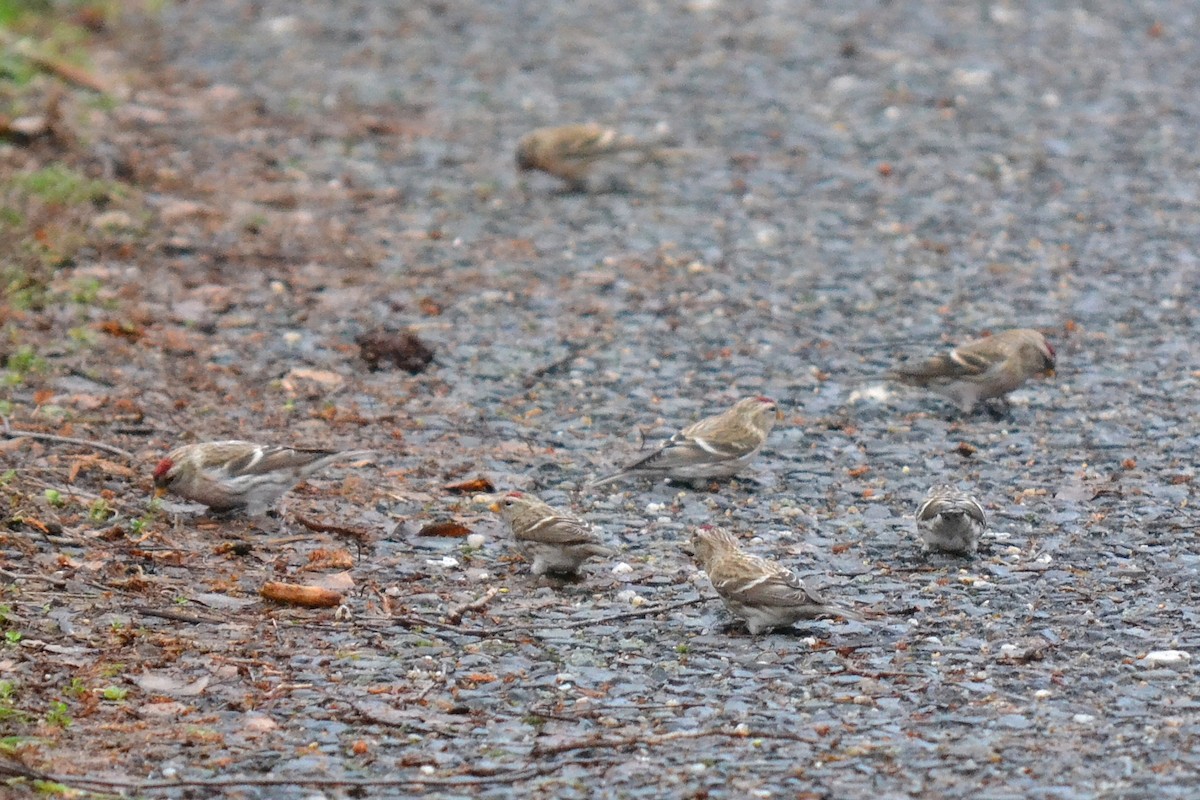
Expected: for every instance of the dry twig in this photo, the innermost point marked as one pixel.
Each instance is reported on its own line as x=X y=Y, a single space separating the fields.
x=9 y=433
x=456 y=614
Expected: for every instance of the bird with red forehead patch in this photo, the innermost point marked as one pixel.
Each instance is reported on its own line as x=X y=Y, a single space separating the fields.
x=240 y=476
x=719 y=446
x=555 y=541
x=981 y=370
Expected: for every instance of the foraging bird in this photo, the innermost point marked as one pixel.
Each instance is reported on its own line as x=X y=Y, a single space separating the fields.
x=763 y=593
x=983 y=369
x=570 y=151
x=240 y=476
x=556 y=541
x=950 y=520
x=715 y=447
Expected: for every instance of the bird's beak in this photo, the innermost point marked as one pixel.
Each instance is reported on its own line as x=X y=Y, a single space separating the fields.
x=159 y=492
x=1049 y=373
x=779 y=415
x=495 y=507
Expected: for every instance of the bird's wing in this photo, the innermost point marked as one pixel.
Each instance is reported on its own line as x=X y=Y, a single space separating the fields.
x=594 y=141
x=773 y=585
x=561 y=530
x=956 y=364
x=268 y=459
x=682 y=451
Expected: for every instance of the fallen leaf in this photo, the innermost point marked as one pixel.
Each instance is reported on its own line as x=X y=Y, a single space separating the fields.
x=473 y=486
x=122 y=329
x=450 y=530
x=329 y=559
x=298 y=595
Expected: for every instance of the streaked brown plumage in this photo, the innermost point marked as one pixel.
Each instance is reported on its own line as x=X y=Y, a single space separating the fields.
x=556 y=541
x=982 y=369
x=763 y=593
x=236 y=475
x=719 y=446
x=950 y=520
x=570 y=151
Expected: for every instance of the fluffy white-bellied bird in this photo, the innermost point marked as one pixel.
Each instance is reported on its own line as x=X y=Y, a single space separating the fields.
x=950 y=520
x=983 y=369
x=556 y=541
x=763 y=593
x=570 y=151
x=715 y=447
x=240 y=476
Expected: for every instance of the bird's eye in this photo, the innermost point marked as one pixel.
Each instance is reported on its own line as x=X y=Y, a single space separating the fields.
x=508 y=501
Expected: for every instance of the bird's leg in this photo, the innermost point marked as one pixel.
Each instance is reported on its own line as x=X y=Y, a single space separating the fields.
x=998 y=408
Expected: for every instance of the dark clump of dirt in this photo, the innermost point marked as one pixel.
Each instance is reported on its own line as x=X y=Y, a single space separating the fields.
x=404 y=350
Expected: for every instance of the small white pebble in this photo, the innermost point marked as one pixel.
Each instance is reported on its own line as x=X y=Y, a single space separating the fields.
x=282 y=26
x=476 y=540
x=622 y=569
x=1084 y=719
x=169 y=771
x=741 y=729
x=427 y=769
x=698 y=767
x=766 y=236
x=564 y=677
x=1042 y=694
x=1009 y=649
x=1167 y=657
x=445 y=561
x=277 y=287
x=654 y=508
x=292 y=338
x=905 y=469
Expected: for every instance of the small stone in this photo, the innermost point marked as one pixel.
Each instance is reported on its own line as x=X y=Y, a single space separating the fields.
x=622 y=569
x=476 y=540
x=1084 y=719
x=1167 y=657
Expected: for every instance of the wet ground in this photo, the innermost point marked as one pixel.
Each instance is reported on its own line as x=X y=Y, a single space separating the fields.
x=860 y=181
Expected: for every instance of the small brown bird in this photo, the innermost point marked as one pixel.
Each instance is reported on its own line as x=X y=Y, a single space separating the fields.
x=239 y=476
x=719 y=446
x=983 y=369
x=763 y=593
x=569 y=152
x=950 y=520
x=557 y=542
